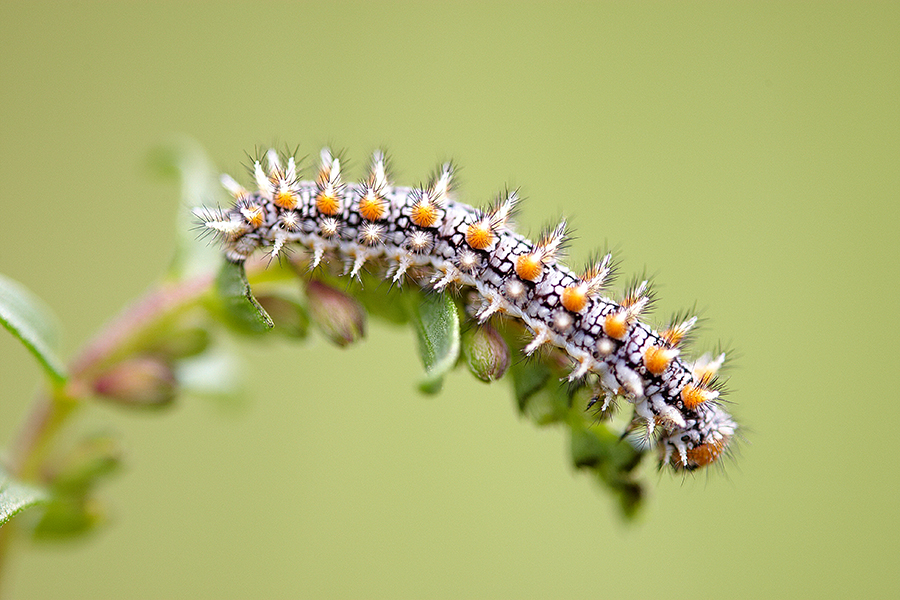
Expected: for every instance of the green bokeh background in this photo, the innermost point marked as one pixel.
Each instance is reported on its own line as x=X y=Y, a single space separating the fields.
x=744 y=152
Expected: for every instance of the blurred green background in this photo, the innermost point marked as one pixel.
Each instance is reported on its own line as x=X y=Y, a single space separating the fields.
x=748 y=154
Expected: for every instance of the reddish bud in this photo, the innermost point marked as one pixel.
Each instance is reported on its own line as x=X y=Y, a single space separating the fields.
x=138 y=381
x=340 y=317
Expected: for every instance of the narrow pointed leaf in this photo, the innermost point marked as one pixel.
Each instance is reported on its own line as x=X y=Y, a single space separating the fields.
x=241 y=309
x=437 y=324
x=92 y=460
x=32 y=323
x=16 y=497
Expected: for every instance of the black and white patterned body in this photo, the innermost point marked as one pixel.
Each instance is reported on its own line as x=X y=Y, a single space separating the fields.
x=415 y=230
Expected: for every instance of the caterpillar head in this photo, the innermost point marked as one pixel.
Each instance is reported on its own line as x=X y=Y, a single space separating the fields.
x=242 y=228
x=704 y=439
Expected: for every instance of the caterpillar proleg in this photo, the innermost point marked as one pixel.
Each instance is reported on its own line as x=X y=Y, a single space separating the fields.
x=422 y=234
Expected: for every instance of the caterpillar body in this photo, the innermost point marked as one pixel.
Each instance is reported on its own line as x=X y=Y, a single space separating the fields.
x=416 y=230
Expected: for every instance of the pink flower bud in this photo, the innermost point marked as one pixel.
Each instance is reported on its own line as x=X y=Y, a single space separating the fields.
x=138 y=381
x=340 y=317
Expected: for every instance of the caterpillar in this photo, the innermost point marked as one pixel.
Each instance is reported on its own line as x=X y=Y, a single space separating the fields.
x=423 y=234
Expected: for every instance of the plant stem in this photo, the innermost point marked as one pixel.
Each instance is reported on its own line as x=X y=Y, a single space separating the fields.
x=51 y=410
x=125 y=334
x=45 y=419
x=137 y=319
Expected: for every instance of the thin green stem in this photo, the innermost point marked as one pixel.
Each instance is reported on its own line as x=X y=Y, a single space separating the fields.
x=52 y=409
x=127 y=333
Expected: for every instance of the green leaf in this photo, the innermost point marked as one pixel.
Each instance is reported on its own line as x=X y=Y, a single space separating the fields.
x=94 y=458
x=32 y=323
x=598 y=448
x=16 y=497
x=240 y=308
x=181 y=342
x=290 y=316
x=184 y=158
x=436 y=319
x=68 y=517
x=529 y=376
x=72 y=510
x=377 y=295
x=553 y=403
x=612 y=460
x=381 y=299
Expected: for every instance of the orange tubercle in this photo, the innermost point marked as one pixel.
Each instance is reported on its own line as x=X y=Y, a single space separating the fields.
x=371 y=207
x=254 y=214
x=480 y=235
x=574 y=298
x=328 y=204
x=695 y=395
x=707 y=453
x=424 y=214
x=285 y=199
x=529 y=267
x=615 y=325
x=657 y=359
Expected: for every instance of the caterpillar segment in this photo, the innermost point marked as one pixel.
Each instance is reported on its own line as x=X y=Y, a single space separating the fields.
x=425 y=229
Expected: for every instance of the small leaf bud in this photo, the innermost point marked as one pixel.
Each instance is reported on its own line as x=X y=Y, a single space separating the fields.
x=486 y=353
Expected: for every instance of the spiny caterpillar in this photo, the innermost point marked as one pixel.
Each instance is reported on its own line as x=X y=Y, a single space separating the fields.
x=422 y=234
